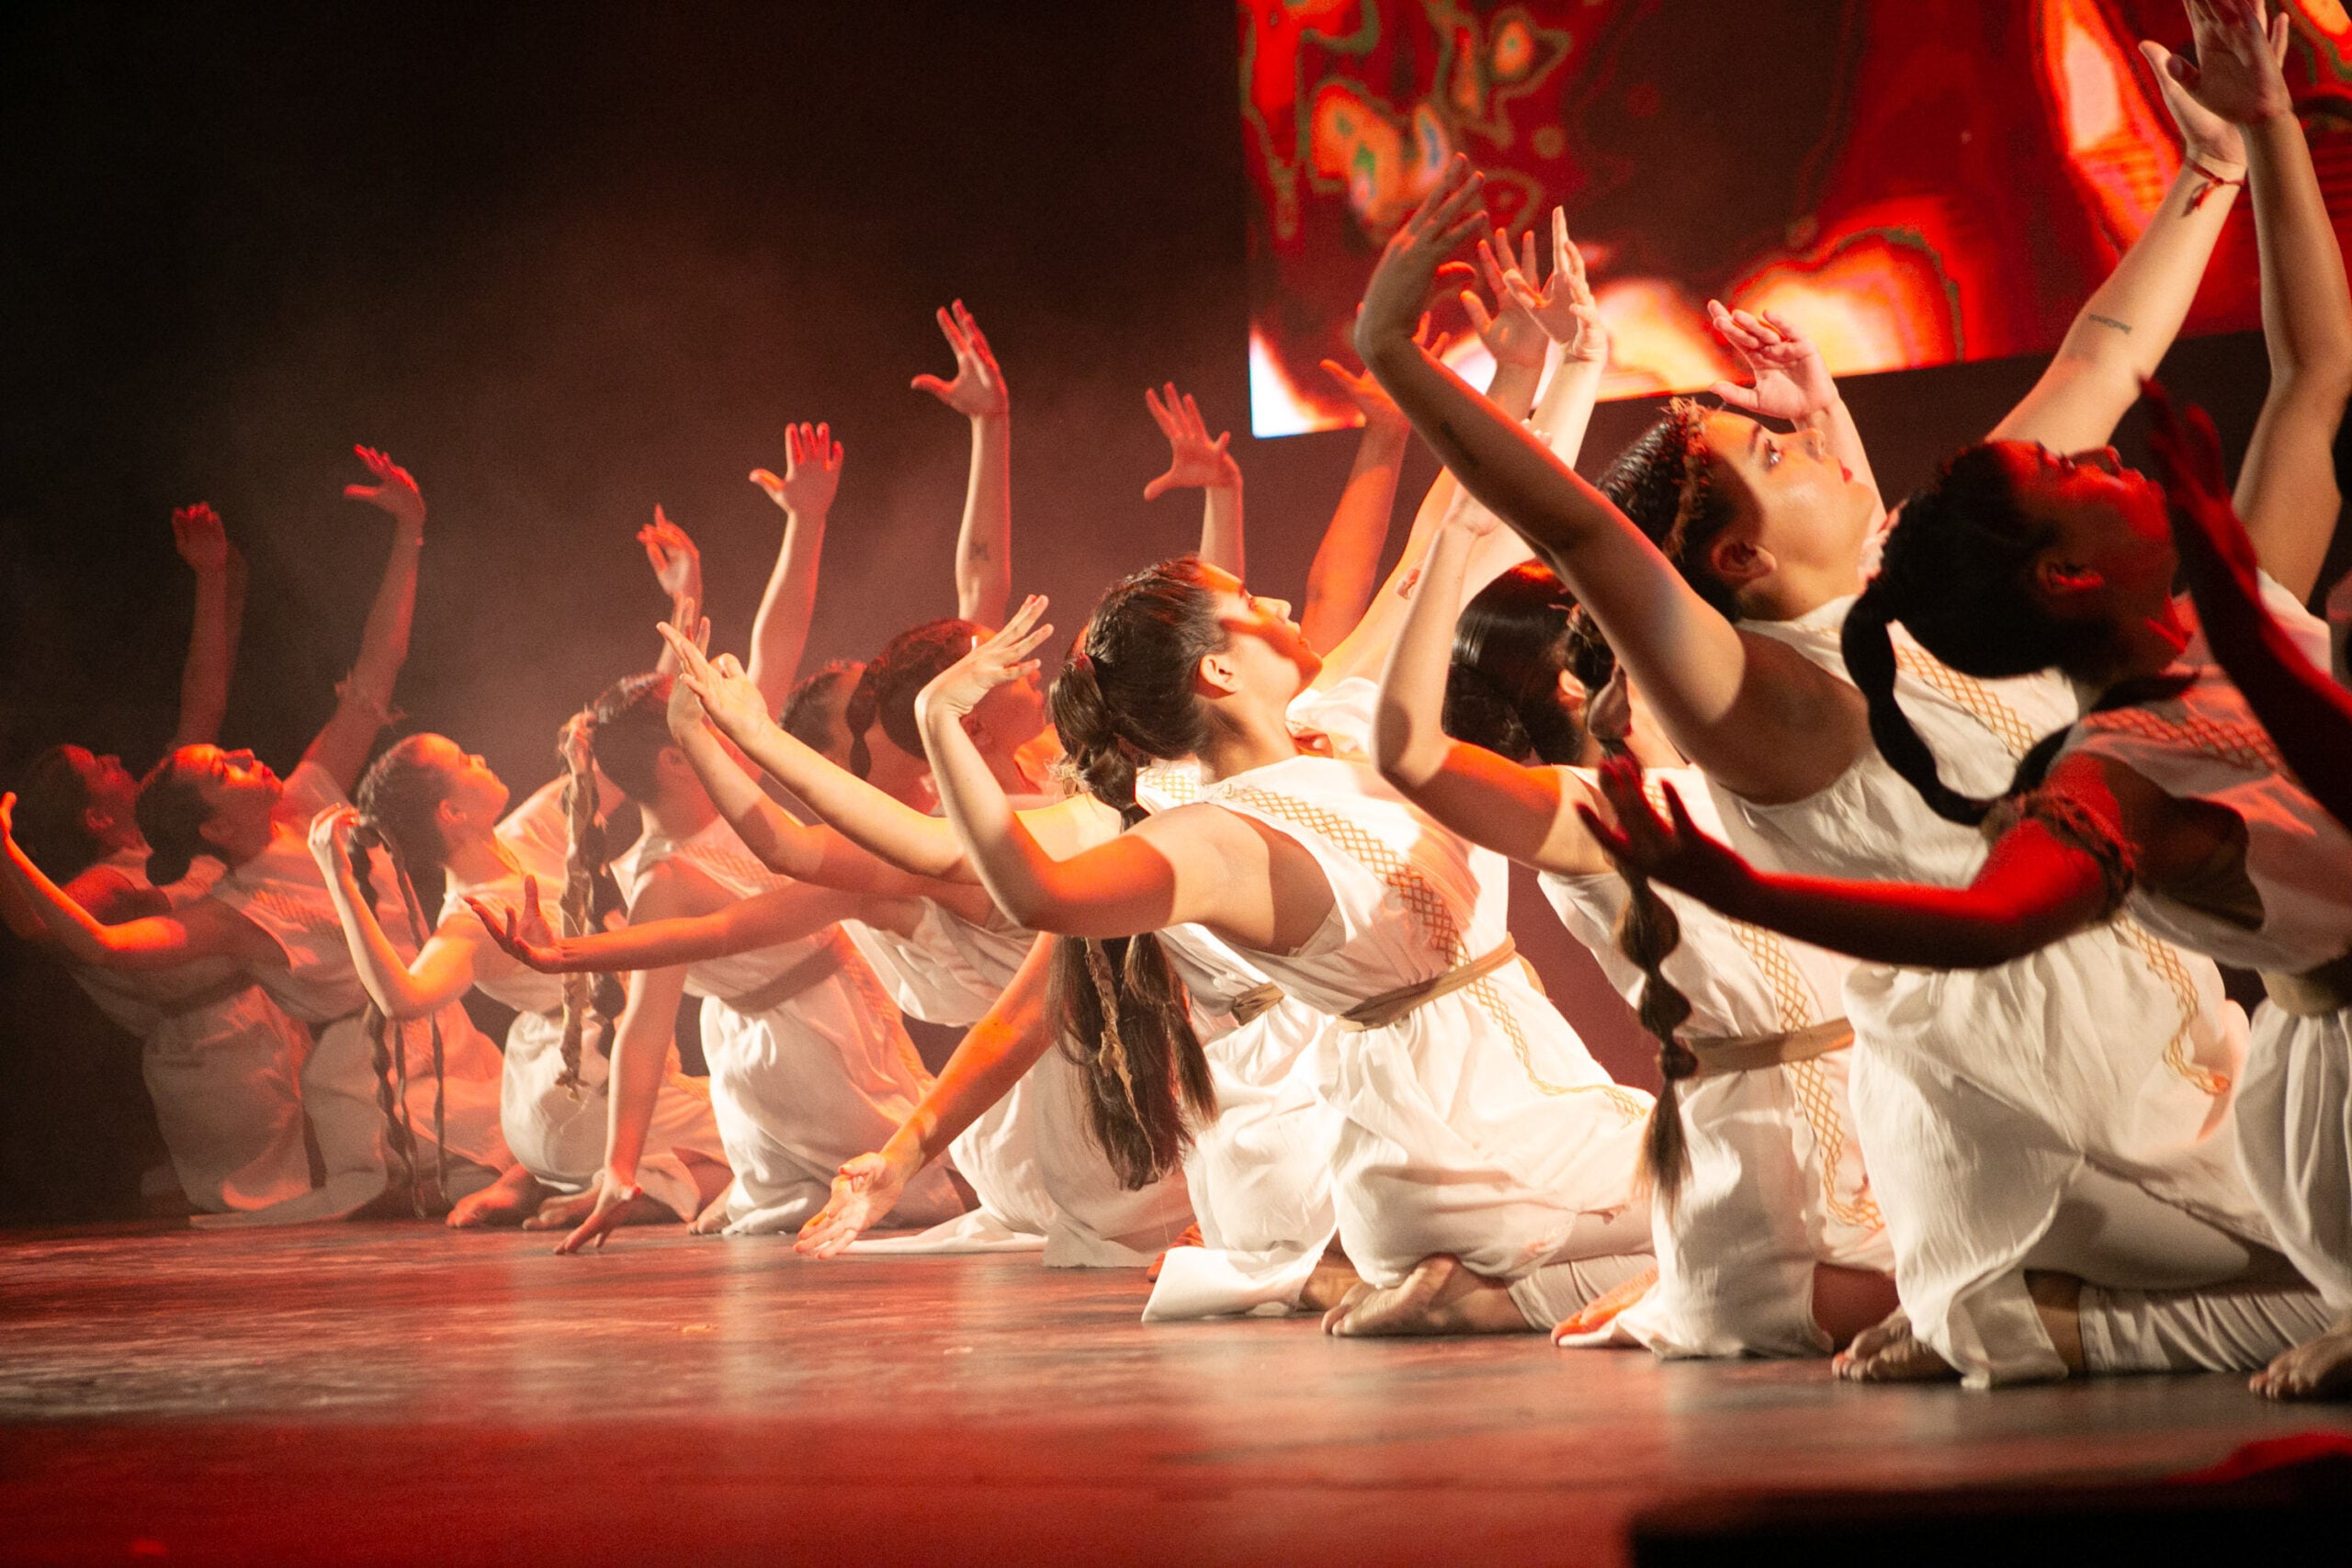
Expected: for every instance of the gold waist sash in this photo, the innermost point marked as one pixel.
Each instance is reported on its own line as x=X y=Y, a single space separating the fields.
x=1255 y=1003
x=1390 y=1006
x=1721 y=1054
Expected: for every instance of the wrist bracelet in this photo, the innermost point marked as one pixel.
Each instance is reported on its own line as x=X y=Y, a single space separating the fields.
x=2213 y=181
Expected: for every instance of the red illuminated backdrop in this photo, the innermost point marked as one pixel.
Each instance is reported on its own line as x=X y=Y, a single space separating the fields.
x=1914 y=182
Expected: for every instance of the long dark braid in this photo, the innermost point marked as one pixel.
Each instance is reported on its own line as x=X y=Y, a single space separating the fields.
x=592 y=1002
x=397 y=800
x=1125 y=696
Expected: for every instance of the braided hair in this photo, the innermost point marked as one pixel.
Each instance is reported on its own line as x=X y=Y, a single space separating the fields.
x=1124 y=697
x=172 y=813
x=1955 y=571
x=622 y=732
x=1669 y=484
x=397 y=799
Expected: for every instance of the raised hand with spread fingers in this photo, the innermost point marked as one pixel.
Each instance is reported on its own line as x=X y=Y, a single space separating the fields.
x=1194 y=460
x=984 y=541
x=812 y=477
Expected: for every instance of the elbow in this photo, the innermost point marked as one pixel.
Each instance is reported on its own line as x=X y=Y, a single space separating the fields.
x=1406 y=760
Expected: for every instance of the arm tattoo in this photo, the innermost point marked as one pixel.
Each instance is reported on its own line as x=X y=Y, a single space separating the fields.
x=2123 y=327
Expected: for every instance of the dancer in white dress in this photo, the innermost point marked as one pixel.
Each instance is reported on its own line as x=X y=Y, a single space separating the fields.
x=1772 y=1242
x=426 y=1113
x=435 y=808
x=2115 y=1053
x=809 y=1061
x=1258 y=1177
x=218 y=1056
x=2166 y=789
x=1485 y=1164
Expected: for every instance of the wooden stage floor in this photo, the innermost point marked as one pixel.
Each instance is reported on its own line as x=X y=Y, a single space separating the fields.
x=399 y=1392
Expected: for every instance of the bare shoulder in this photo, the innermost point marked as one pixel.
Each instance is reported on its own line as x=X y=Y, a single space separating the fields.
x=112 y=898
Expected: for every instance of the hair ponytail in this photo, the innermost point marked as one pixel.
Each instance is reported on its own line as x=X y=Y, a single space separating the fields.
x=590 y=1001
x=171 y=814
x=387 y=1038
x=1125 y=696
x=1868 y=644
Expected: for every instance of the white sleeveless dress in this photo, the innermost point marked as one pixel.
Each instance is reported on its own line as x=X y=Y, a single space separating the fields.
x=557 y=1132
x=1475 y=1124
x=1260 y=1174
x=1982 y=1094
x=2294 y=1102
x=809 y=1064
x=1777 y=1181
x=219 y=1060
x=282 y=891
x=1031 y=1158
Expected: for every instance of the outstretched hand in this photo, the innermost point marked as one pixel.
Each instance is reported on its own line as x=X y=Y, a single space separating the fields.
x=994 y=661
x=865 y=1191
x=394 y=492
x=728 y=698
x=677 y=564
x=978 y=390
x=2236 y=79
x=1194 y=461
x=812 y=470
x=1564 y=305
x=685 y=716
x=330 y=837
x=1401 y=284
x=1509 y=330
x=523 y=934
x=201 y=538
x=1789 y=378
x=608 y=1207
x=1672 y=849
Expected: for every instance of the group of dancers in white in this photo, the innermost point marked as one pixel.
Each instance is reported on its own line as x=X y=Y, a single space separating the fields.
x=1223 y=913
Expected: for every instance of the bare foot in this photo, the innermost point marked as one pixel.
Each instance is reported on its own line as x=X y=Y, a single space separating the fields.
x=1334 y=1280
x=2317 y=1369
x=1191 y=1236
x=1439 y=1296
x=1890 y=1353
x=713 y=1218
x=1601 y=1311
x=509 y=1200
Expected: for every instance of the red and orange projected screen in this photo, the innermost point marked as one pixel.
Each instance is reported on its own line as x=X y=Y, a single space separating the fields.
x=1912 y=183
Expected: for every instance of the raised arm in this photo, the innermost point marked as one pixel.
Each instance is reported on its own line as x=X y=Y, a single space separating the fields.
x=984 y=541
x=203 y=543
x=364 y=701
x=2307 y=714
x=990 y=1059
x=678 y=569
x=1346 y=563
x=2037 y=887
x=205 y=929
x=1196 y=461
x=812 y=475
x=2121 y=333
x=1749 y=711
x=2287 y=493
x=765 y=919
x=1196 y=863
x=444 y=969
x=1527 y=813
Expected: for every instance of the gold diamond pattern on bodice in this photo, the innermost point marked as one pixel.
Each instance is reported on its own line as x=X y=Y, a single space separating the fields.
x=1798 y=1008
x=1977 y=700
x=2244 y=746
x=1432 y=918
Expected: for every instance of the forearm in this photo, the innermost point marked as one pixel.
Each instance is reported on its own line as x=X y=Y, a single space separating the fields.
x=641 y=1061
x=865 y=816
x=1512 y=388
x=1409 y=735
x=383 y=645
x=1565 y=411
x=2287 y=491
x=79 y=936
x=2123 y=332
x=988 y=1063
x=204 y=677
x=383 y=973
x=780 y=630
x=1221 y=526
x=766 y=829
x=1914 y=926
x=1011 y=864
x=1346 y=563
x=984 y=542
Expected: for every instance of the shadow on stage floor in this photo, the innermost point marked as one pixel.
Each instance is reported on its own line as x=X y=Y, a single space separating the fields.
x=397 y=1393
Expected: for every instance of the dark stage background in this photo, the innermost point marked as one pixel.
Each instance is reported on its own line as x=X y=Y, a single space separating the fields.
x=565 y=262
